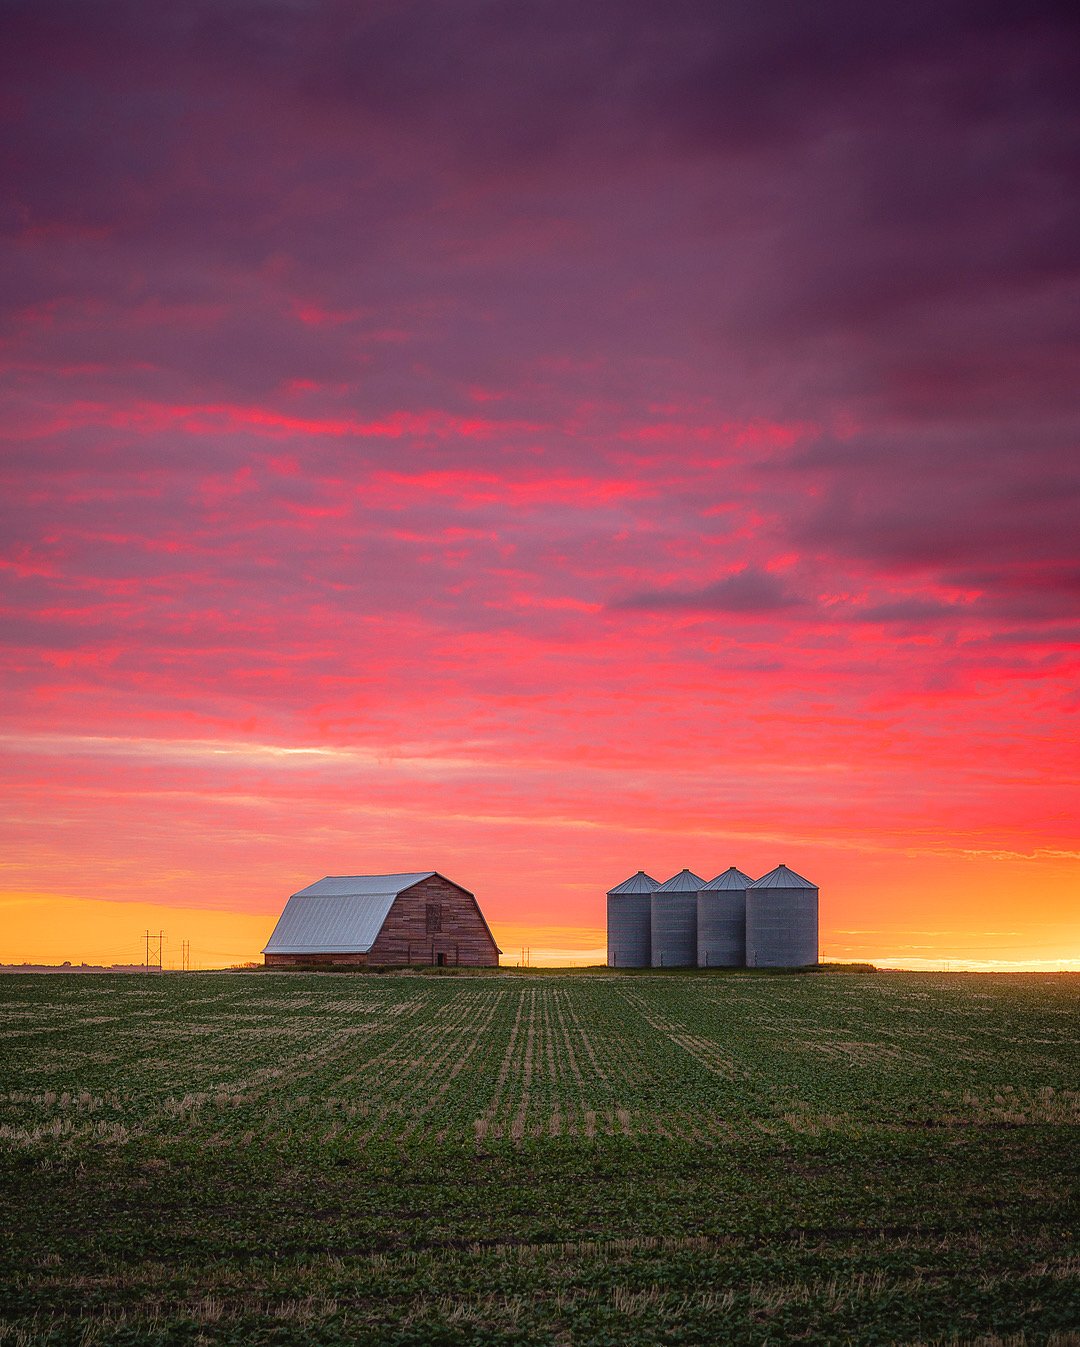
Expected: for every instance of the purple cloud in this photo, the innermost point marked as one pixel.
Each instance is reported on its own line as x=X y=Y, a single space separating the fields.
x=747 y=592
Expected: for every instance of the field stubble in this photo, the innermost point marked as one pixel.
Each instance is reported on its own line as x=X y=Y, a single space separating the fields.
x=547 y=1159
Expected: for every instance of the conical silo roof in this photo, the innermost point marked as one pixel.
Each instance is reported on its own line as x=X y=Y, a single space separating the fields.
x=684 y=882
x=732 y=878
x=782 y=878
x=639 y=883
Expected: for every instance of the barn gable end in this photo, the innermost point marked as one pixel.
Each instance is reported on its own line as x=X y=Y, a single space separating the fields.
x=382 y=920
x=435 y=921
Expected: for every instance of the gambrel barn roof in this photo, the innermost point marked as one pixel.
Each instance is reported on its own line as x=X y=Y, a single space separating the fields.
x=341 y=914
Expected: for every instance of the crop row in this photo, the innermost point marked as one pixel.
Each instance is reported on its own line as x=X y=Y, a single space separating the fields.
x=231 y=1060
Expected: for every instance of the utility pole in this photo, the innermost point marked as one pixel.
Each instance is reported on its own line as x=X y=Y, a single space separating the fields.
x=154 y=945
x=185 y=956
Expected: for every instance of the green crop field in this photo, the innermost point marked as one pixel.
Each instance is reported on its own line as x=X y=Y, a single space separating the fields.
x=527 y=1158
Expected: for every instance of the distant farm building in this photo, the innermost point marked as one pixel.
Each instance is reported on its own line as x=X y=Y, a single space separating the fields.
x=781 y=921
x=721 y=921
x=382 y=920
x=629 y=921
x=674 y=921
x=732 y=921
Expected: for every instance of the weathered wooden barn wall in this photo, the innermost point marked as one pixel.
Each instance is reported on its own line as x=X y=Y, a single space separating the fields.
x=314 y=960
x=435 y=918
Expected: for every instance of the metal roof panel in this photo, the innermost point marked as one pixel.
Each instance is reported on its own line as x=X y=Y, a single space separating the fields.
x=684 y=882
x=782 y=878
x=732 y=878
x=639 y=883
x=350 y=886
x=330 y=923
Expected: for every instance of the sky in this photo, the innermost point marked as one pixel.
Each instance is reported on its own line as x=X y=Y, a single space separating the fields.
x=534 y=443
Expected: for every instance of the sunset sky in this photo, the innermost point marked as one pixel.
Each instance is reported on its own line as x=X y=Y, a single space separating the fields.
x=536 y=442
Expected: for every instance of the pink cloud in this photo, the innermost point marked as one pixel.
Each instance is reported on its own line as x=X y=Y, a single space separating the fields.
x=669 y=455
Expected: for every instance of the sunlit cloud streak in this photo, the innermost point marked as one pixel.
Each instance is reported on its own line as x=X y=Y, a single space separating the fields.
x=559 y=441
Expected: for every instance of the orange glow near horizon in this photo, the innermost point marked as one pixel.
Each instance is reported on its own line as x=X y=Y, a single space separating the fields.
x=538 y=766
x=46 y=930
x=212 y=863
x=643 y=467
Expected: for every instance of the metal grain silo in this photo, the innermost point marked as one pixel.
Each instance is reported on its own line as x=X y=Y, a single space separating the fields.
x=674 y=921
x=721 y=921
x=781 y=921
x=629 y=922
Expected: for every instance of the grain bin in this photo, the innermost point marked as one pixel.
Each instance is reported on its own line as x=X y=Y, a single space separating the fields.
x=781 y=921
x=674 y=921
x=721 y=921
x=629 y=922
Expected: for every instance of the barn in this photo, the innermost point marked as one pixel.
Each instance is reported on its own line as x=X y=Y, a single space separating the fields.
x=382 y=920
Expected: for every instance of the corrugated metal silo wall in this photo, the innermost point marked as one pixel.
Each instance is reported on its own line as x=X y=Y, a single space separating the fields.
x=674 y=930
x=721 y=928
x=629 y=923
x=781 y=928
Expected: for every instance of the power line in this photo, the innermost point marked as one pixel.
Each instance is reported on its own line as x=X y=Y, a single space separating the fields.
x=152 y=956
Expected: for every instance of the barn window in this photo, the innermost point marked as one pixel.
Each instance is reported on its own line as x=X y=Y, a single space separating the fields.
x=434 y=918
